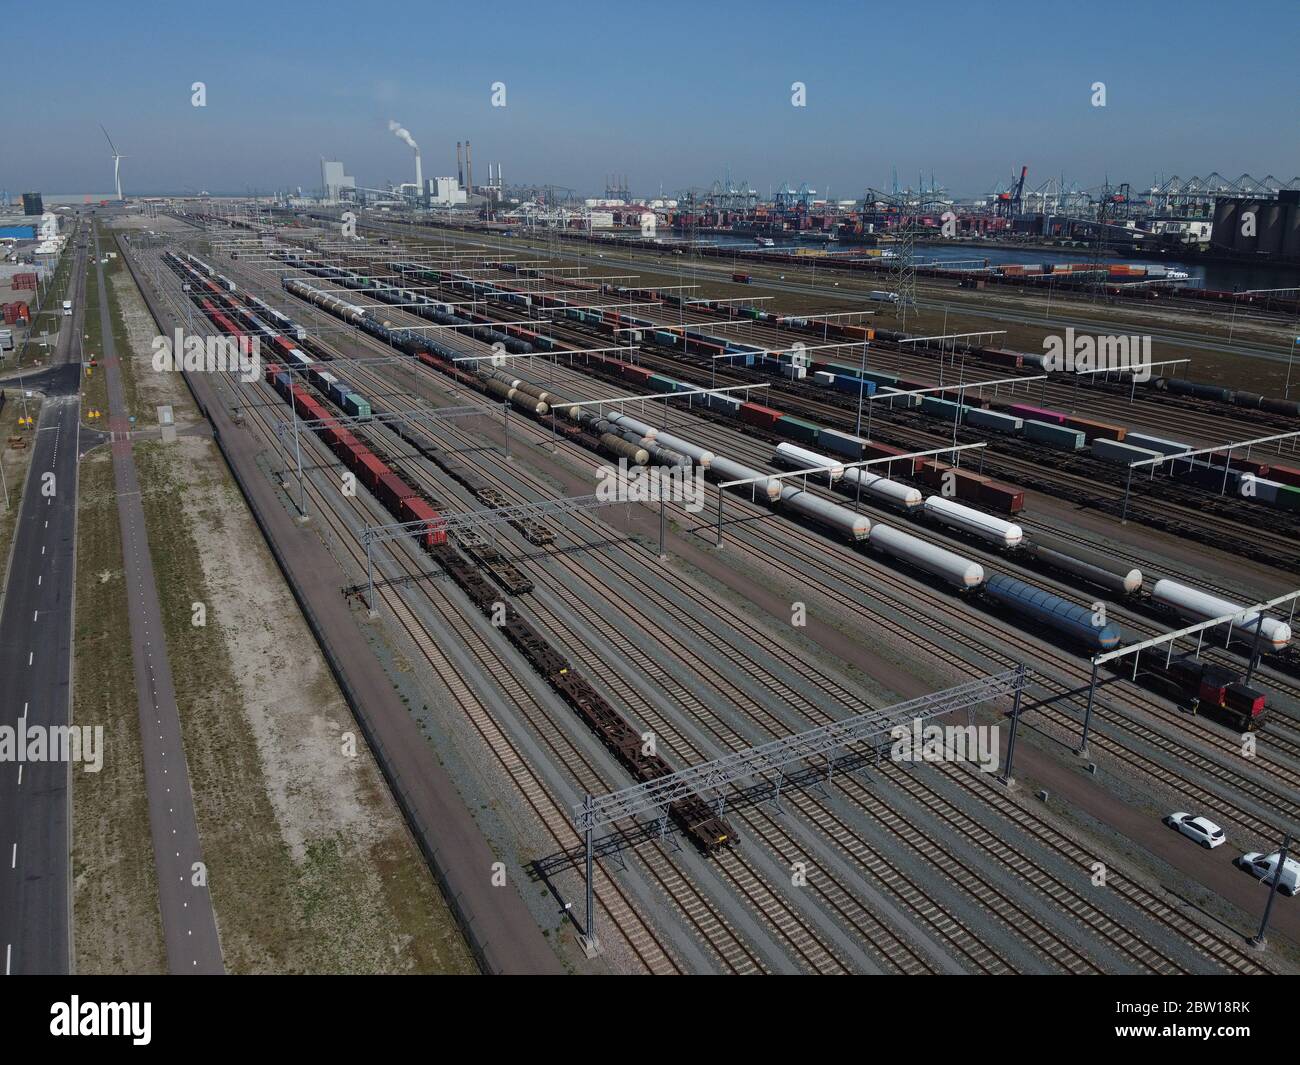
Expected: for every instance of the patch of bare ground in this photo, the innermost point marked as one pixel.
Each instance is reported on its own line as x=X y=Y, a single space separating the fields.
x=312 y=867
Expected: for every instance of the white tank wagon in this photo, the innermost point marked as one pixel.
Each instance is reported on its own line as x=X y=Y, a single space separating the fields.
x=976 y=522
x=725 y=469
x=1093 y=566
x=895 y=494
x=700 y=456
x=822 y=511
x=347 y=311
x=796 y=458
x=960 y=572
x=1201 y=606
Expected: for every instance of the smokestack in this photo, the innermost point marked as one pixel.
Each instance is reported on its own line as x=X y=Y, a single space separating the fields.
x=460 y=166
x=469 y=171
x=419 y=180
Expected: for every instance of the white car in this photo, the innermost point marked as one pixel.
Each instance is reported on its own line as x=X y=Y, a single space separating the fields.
x=1201 y=829
x=1263 y=866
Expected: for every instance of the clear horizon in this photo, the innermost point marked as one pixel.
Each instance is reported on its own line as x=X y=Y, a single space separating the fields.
x=674 y=98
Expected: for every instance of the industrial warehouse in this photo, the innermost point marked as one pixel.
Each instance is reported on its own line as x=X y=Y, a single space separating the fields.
x=666 y=572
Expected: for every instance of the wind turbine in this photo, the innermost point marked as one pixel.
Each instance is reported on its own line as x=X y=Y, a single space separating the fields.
x=117 y=162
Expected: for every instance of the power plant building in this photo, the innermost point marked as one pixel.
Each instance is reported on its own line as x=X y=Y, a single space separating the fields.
x=445 y=192
x=333 y=180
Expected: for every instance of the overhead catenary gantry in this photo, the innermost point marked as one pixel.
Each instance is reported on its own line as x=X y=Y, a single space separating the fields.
x=1250 y=619
x=1221 y=449
x=757 y=774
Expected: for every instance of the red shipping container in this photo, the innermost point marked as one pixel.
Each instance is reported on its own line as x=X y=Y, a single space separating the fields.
x=1285 y=475
x=636 y=373
x=755 y=414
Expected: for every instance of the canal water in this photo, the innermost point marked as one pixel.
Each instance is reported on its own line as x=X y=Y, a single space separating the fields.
x=1226 y=276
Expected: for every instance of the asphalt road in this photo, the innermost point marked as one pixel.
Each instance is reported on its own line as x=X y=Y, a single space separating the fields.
x=36 y=672
x=189 y=923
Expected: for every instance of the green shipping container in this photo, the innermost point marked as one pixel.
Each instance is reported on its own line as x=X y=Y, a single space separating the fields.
x=357 y=406
x=798 y=429
x=1057 y=436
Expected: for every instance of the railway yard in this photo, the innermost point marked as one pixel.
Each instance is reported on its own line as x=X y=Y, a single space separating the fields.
x=688 y=723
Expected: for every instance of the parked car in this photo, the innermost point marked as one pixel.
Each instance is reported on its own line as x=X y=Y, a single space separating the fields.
x=1265 y=865
x=1201 y=829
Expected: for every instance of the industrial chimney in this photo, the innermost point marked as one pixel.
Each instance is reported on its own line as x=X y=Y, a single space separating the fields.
x=469 y=171
x=460 y=166
x=419 y=178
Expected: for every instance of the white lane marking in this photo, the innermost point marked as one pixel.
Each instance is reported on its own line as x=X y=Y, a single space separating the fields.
x=34 y=614
x=13 y=861
x=29 y=657
x=9 y=949
x=20 y=774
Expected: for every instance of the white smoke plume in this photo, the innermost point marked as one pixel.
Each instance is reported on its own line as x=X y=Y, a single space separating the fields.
x=401 y=131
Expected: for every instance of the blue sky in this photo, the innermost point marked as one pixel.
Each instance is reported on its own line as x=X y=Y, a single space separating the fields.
x=669 y=93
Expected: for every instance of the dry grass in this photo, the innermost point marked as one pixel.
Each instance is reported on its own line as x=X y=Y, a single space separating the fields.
x=117 y=927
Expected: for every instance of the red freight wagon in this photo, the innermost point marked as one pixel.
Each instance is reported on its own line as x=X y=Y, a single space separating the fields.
x=636 y=373
x=271 y=370
x=743 y=279
x=703 y=347
x=369 y=468
x=881 y=451
x=307 y=407
x=1239 y=463
x=756 y=414
x=1285 y=475
x=1002 y=356
x=966 y=484
x=391 y=490
x=1004 y=498
x=416 y=509
x=329 y=432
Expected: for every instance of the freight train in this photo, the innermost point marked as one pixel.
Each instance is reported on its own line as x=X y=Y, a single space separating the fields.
x=1073 y=623
x=706 y=829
